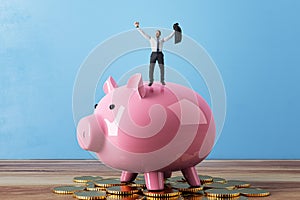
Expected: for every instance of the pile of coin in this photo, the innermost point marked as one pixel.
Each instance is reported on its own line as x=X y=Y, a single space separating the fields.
x=176 y=188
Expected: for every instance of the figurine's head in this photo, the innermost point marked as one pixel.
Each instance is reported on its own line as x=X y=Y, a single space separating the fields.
x=157 y=33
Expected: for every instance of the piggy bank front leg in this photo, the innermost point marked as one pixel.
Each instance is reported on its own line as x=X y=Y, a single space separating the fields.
x=191 y=176
x=128 y=176
x=154 y=180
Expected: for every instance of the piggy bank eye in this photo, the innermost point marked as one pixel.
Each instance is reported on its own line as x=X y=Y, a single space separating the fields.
x=95 y=106
x=111 y=106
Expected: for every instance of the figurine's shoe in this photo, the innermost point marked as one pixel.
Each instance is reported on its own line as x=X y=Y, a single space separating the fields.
x=150 y=84
x=163 y=83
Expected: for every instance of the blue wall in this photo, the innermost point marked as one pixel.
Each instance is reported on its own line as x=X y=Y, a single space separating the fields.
x=255 y=45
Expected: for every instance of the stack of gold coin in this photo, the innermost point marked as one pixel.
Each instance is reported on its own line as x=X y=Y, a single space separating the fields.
x=139 y=183
x=222 y=193
x=85 y=179
x=68 y=189
x=185 y=187
x=193 y=196
x=224 y=198
x=219 y=180
x=125 y=197
x=254 y=192
x=176 y=188
x=239 y=184
x=162 y=194
x=122 y=190
x=219 y=186
x=176 y=179
x=108 y=183
x=162 y=198
x=90 y=186
x=205 y=179
x=90 y=195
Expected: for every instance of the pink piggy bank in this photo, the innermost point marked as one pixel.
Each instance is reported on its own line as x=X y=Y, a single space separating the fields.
x=152 y=130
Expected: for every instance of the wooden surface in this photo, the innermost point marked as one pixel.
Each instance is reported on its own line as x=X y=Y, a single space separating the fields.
x=34 y=179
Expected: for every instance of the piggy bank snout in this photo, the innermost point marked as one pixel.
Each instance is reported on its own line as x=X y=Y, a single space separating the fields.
x=89 y=134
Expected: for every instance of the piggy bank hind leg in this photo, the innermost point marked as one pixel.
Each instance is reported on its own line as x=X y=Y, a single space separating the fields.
x=128 y=176
x=154 y=180
x=191 y=176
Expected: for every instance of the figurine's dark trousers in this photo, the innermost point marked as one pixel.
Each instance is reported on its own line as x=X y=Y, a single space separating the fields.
x=159 y=57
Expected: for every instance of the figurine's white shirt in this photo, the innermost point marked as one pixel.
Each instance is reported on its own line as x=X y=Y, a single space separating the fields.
x=153 y=41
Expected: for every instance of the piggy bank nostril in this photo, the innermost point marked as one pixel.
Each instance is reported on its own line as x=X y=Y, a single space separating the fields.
x=83 y=134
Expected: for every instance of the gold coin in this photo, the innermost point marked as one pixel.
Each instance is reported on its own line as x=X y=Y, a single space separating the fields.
x=205 y=179
x=84 y=179
x=219 y=180
x=122 y=190
x=193 y=197
x=216 y=192
x=125 y=197
x=139 y=183
x=163 y=198
x=164 y=193
x=239 y=184
x=253 y=192
x=224 y=198
x=108 y=183
x=68 y=189
x=140 y=177
x=90 y=186
x=185 y=187
x=219 y=186
x=90 y=195
x=176 y=179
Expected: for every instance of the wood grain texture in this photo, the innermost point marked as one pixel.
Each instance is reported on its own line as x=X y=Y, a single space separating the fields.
x=34 y=179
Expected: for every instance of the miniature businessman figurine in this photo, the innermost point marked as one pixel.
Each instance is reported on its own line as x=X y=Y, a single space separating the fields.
x=157 y=54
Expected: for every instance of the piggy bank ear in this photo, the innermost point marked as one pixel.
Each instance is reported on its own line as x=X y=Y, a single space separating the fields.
x=109 y=85
x=136 y=82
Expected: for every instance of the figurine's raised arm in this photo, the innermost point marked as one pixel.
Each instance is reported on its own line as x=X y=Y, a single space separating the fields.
x=168 y=37
x=145 y=35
